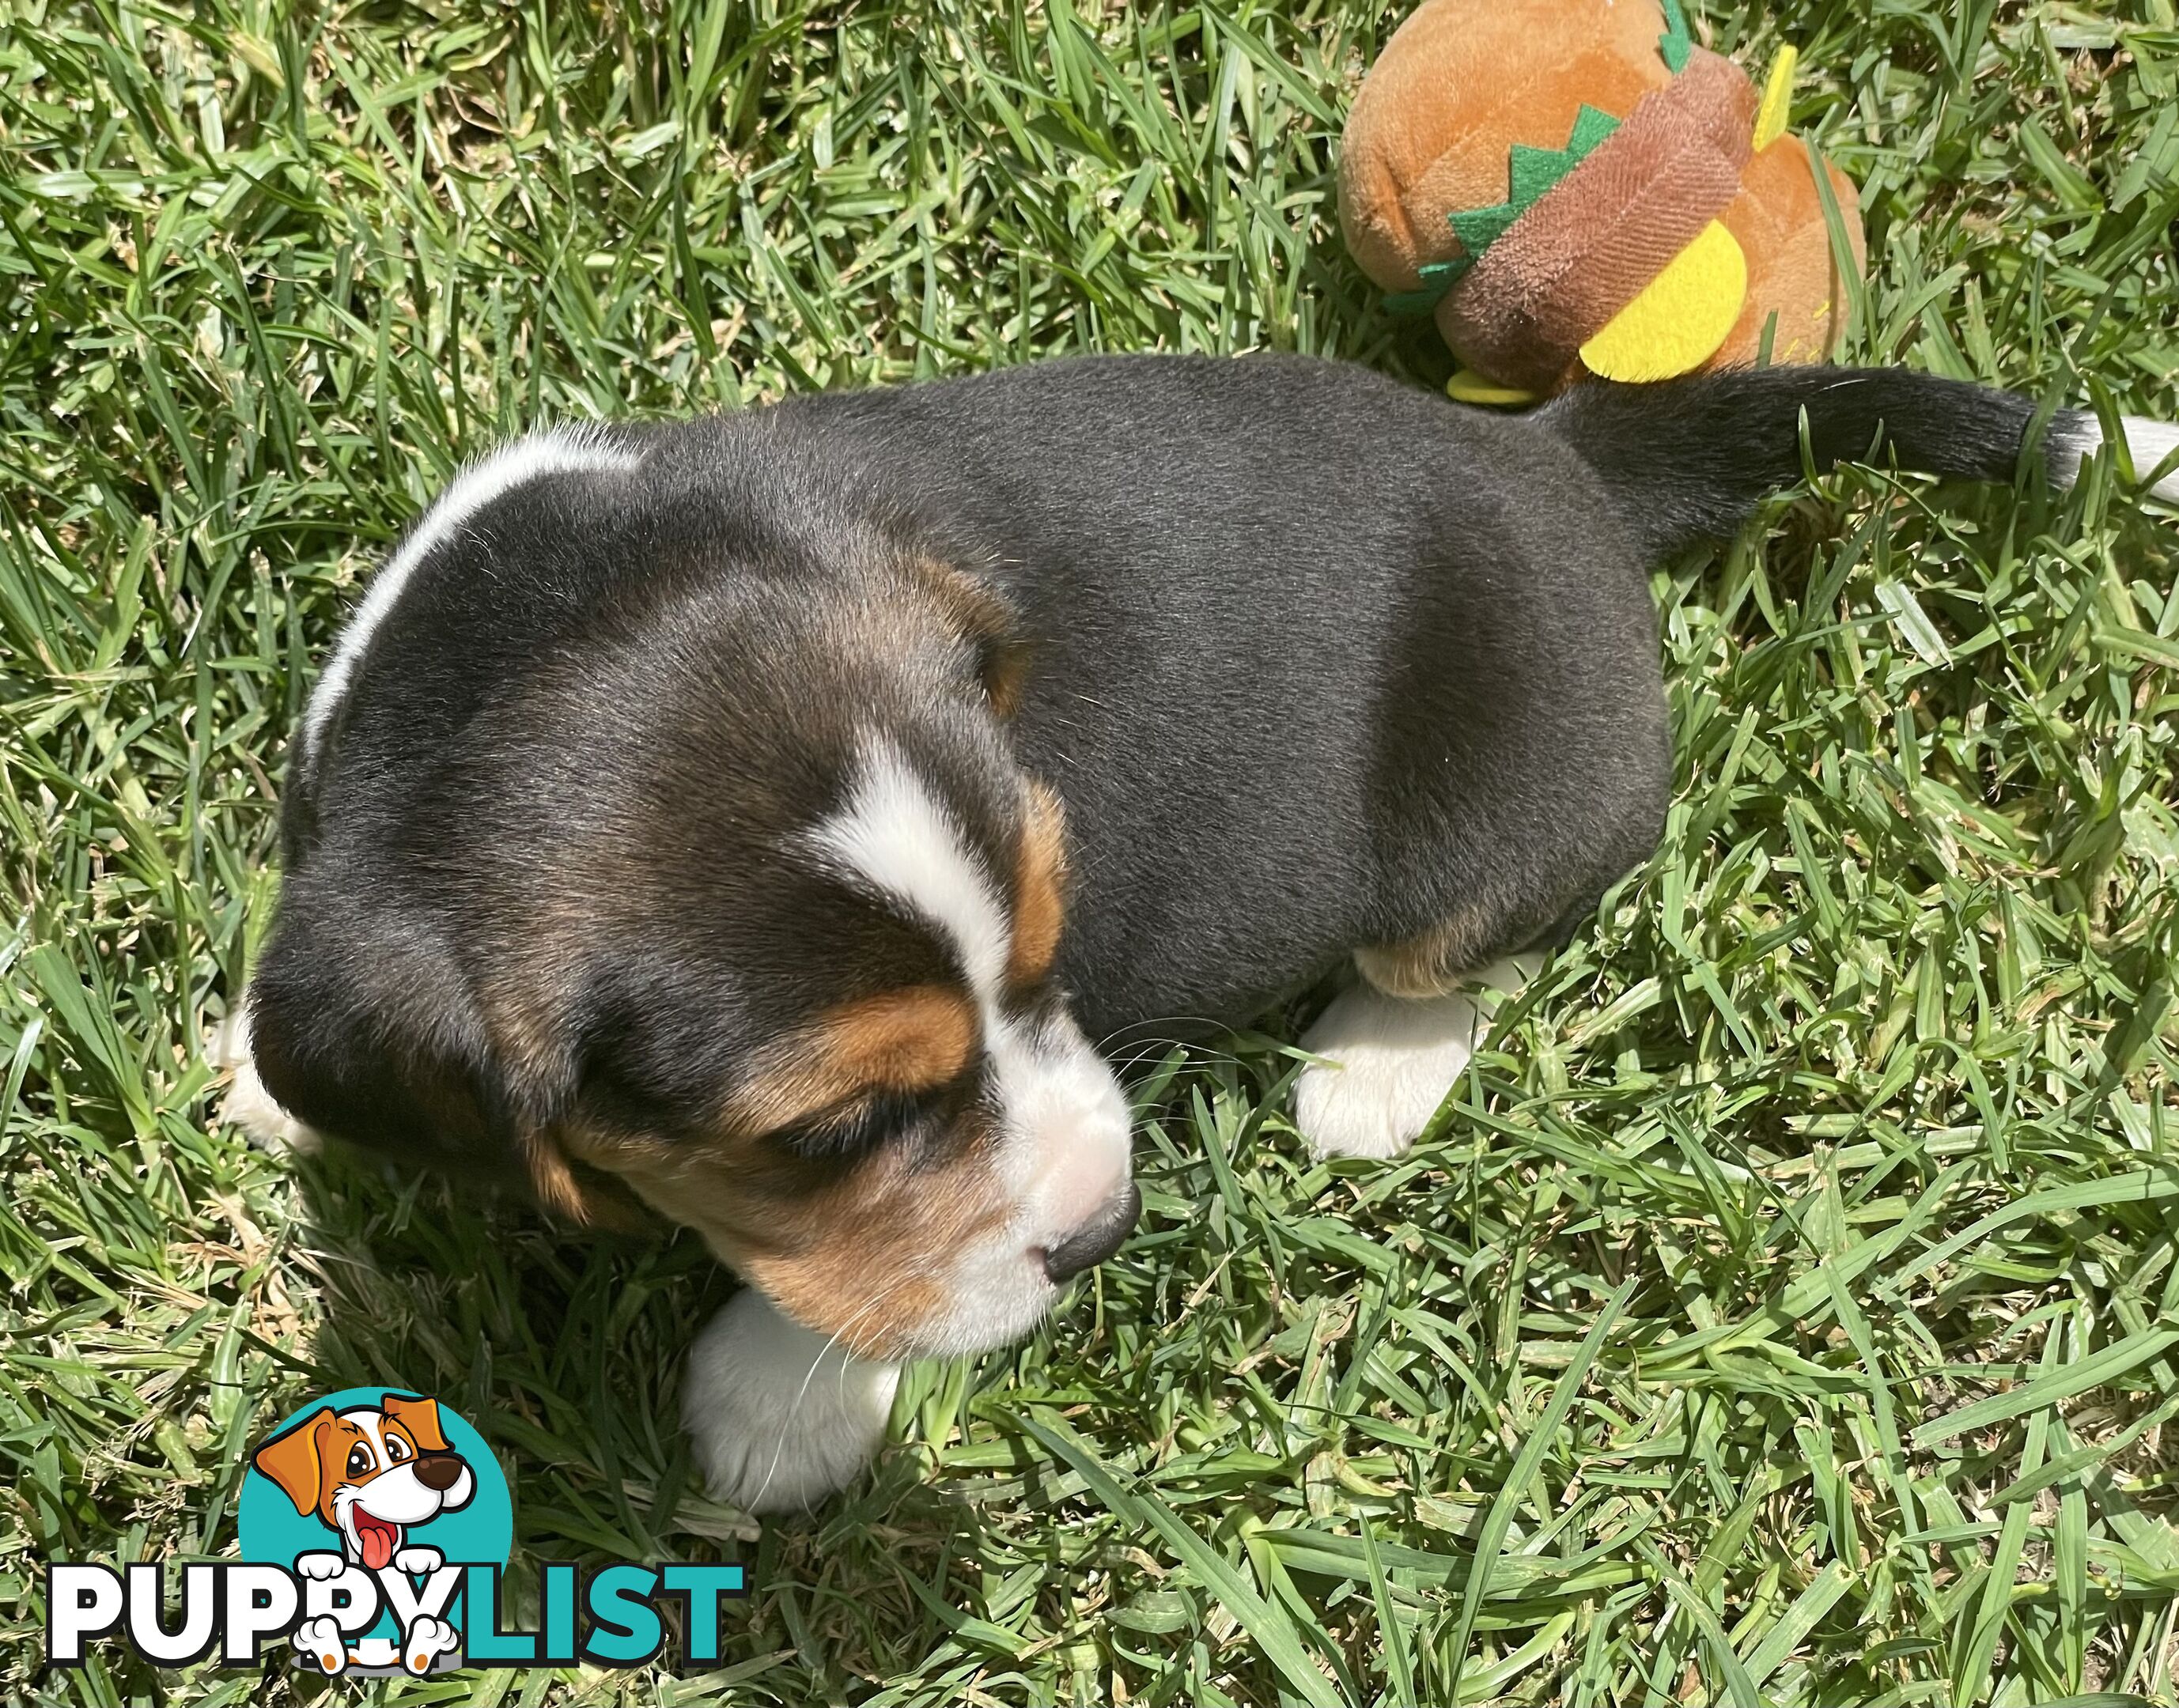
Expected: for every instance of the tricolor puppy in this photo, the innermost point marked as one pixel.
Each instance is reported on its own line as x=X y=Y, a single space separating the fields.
x=770 y=817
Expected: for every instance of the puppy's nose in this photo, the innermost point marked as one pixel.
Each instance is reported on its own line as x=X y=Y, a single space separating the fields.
x=438 y=1470
x=1095 y=1240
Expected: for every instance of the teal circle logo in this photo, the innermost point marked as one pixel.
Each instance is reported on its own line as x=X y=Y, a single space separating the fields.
x=376 y=1498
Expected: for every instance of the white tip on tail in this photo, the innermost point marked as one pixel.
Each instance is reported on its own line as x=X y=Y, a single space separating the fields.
x=2076 y=436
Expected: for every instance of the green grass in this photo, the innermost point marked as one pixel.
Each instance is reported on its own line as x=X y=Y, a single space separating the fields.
x=1786 y=1310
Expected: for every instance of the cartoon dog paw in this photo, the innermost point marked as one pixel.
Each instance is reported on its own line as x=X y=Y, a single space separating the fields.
x=427 y=1639
x=320 y=1640
x=326 y=1567
x=416 y=1560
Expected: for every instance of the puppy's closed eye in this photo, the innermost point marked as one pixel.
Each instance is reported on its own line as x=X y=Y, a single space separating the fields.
x=851 y=1130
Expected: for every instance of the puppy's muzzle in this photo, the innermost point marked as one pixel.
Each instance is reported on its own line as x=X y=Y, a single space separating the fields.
x=1096 y=1240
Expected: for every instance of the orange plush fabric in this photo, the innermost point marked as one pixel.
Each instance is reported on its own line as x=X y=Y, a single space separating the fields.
x=1779 y=219
x=1462 y=83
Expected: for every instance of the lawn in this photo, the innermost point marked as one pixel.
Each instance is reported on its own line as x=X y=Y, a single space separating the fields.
x=1785 y=1309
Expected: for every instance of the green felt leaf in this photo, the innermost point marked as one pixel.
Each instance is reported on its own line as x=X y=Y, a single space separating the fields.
x=1478 y=228
x=1438 y=278
x=1676 y=43
x=1530 y=173
x=1591 y=125
x=1533 y=171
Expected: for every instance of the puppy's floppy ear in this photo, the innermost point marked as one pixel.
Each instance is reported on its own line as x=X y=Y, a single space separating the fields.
x=374 y=1044
x=1003 y=666
x=388 y=1052
x=421 y=1418
x=987 y=622
x=591 y=1200
x=292 y=1459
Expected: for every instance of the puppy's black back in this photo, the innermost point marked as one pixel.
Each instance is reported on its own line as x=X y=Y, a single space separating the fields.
x=1316 y=660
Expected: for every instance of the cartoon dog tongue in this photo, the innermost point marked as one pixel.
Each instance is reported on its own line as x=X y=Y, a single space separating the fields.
x=376 y=1538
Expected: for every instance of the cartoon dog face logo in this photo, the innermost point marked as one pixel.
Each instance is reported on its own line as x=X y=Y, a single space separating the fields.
x=370 y=1473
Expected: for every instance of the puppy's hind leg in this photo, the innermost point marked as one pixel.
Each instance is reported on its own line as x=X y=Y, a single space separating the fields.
x=780 y=1416
x=1389 y=1060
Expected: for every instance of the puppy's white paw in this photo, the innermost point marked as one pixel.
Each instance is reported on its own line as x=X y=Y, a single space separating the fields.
x=247 y=1105
x=780 y=1417
x=426 y=1640
x=321 y=1640
x=417 y=1559
x=323 y=1567
x=1389 y=1062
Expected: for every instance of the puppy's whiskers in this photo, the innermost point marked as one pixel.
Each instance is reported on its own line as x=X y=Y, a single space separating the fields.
x=779 y=1448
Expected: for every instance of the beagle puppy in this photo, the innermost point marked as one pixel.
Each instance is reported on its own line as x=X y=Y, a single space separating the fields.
x=768 y=818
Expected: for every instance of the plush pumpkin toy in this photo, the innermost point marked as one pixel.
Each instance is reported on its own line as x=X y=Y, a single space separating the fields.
x=1575 y=186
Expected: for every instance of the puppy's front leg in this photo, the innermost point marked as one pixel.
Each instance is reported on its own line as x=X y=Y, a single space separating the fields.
x=1389 y=1061
x=780 y=1416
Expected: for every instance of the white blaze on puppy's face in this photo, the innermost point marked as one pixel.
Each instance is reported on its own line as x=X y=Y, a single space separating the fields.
x=1061 y=1158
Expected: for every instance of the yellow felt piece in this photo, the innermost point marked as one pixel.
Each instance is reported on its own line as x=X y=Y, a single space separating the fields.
x=1682 y=316
x=1777 y=105
x=1468 y=386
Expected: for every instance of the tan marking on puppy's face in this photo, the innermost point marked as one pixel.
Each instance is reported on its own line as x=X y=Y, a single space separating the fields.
x=983 y=619
x=909 y=1040
x=894 y=1171
x=859 y=1252
x=867 y=1259
x=1003 y=670
x=854 y=1244
x=1040 y=876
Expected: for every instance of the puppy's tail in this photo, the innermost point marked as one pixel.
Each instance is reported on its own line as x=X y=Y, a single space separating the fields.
x=1689 y=459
